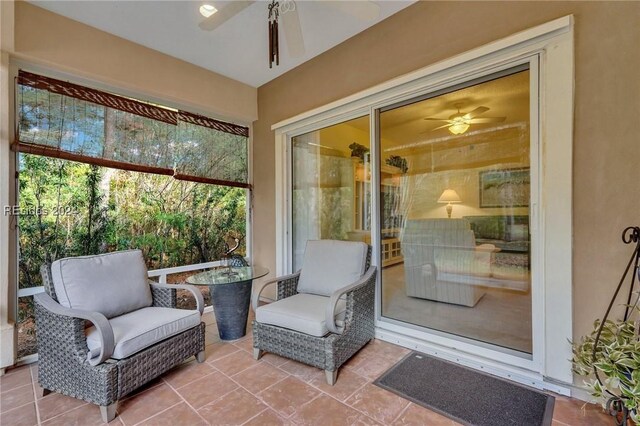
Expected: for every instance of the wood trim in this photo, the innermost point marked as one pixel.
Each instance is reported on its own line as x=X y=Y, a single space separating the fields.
x=57 y=153
x=122 y=103
x=211 y=123
x=210 y=181
x=99 y=97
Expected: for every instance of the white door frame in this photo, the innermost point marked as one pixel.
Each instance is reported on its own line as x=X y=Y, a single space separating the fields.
x=551 y=45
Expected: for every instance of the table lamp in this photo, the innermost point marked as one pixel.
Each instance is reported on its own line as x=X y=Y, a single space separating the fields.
x=449 y=196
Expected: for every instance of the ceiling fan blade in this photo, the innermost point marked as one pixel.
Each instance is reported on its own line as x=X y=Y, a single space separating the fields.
x=437 y=119
x=364 y=10
x=224 y=14
x=442 y=127
x=293 y=33
x=476 y=112
x=487 y=120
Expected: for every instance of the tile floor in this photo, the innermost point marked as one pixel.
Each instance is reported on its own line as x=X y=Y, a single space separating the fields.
x=230 y=388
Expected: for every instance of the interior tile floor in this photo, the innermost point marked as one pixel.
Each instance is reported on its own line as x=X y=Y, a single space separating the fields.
x=230 y=388
x=501 y=317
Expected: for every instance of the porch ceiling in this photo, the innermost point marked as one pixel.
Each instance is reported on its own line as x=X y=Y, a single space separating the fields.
x=237 y=49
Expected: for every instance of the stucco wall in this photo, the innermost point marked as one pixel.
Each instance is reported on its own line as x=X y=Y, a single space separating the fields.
x=607 y=104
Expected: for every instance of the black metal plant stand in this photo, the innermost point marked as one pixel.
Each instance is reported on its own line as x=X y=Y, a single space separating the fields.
x=615 y=405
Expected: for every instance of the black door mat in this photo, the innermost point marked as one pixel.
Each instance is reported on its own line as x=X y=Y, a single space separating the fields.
x=465 y=395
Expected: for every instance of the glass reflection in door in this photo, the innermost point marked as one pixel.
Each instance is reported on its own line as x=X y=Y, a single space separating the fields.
x=454 y=197
x=331 y=185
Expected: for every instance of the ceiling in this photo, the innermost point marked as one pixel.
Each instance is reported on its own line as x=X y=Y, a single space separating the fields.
x=507 y=97
x=404 y=130
x=237 y=49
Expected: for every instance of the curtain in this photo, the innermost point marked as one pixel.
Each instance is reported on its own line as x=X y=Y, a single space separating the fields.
x=65 y=120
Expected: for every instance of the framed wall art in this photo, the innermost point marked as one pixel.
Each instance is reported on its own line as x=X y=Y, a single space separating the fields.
x=505 y=188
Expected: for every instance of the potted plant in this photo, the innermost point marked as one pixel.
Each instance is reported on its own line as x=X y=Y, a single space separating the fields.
x=358 y=151
x=610 y=354
x=613 y=368
x=399 y=162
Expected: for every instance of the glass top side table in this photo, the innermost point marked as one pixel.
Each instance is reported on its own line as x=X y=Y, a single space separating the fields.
x=231 y=296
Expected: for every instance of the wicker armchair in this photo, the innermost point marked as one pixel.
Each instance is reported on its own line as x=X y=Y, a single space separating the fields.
x=326 y=328
x=67 y=365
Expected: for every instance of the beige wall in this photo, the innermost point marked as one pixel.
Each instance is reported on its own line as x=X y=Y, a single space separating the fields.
x=607 y=104
x=62 y=44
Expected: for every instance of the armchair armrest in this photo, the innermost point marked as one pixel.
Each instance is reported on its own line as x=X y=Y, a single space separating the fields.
x=330 y=317
x=289 y=290
x=100 y=322
x=196 y=293
x=491 y=248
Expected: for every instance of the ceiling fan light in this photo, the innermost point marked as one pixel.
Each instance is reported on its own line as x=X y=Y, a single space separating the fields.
x=459 y=128
x=207 y=10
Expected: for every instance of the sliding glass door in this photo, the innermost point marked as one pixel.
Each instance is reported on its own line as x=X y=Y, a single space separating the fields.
x=331 y=185
x=454 y=190
x=455 y=179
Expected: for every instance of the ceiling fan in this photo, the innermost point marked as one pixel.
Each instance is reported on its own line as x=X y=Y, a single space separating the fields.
x=365 y=10
x=459 y=122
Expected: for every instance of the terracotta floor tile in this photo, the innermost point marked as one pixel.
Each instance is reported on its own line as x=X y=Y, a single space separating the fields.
x=268 y=418
x=219 y=350
x=292 y=391
x=21 y=416
x=232 y=409
x=416 y=415
x=304 y=372
x=55 y=404
x=15 y=378
x=259 y=377
x=348 y=382
x=318 y=411
x=16 y=397
x=211 y=337
x=234 y=363
x=245 y=345
x=575 y=412
x=208 y=318
x=286 y=396
x=152 y=384
x=207 y=389
x=274 y=359
x=372 y=367
x=85 y=415
x=378 y=403
x=187 y=373
x=357 y=360
x=381 y=347
x=178 y=415
x=146 y=404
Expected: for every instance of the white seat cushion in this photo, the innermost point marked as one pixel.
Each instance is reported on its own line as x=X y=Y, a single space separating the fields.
x=330 y=265
x=302 y=312
x=112 y=284
x=140 y=329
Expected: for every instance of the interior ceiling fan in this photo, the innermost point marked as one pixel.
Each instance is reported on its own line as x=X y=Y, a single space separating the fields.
x=287 y=10
x=459 y=122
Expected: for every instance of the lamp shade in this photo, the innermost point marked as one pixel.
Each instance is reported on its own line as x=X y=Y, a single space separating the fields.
x=449 y=196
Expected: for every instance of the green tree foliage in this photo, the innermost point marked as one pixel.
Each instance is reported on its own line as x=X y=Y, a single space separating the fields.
x=74 y=209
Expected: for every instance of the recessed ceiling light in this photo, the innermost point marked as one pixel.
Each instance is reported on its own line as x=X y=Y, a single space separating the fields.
x=207 y=10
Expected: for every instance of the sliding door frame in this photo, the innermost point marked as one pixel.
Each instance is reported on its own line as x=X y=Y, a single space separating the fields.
x=549 y=49
x=469 y=345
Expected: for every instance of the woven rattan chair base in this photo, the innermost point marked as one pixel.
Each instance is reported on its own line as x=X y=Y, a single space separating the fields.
x=327 y=352
x=62 y=355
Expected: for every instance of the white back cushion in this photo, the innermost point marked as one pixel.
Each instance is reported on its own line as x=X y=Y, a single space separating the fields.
x=112 y=284
x=330 y=264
